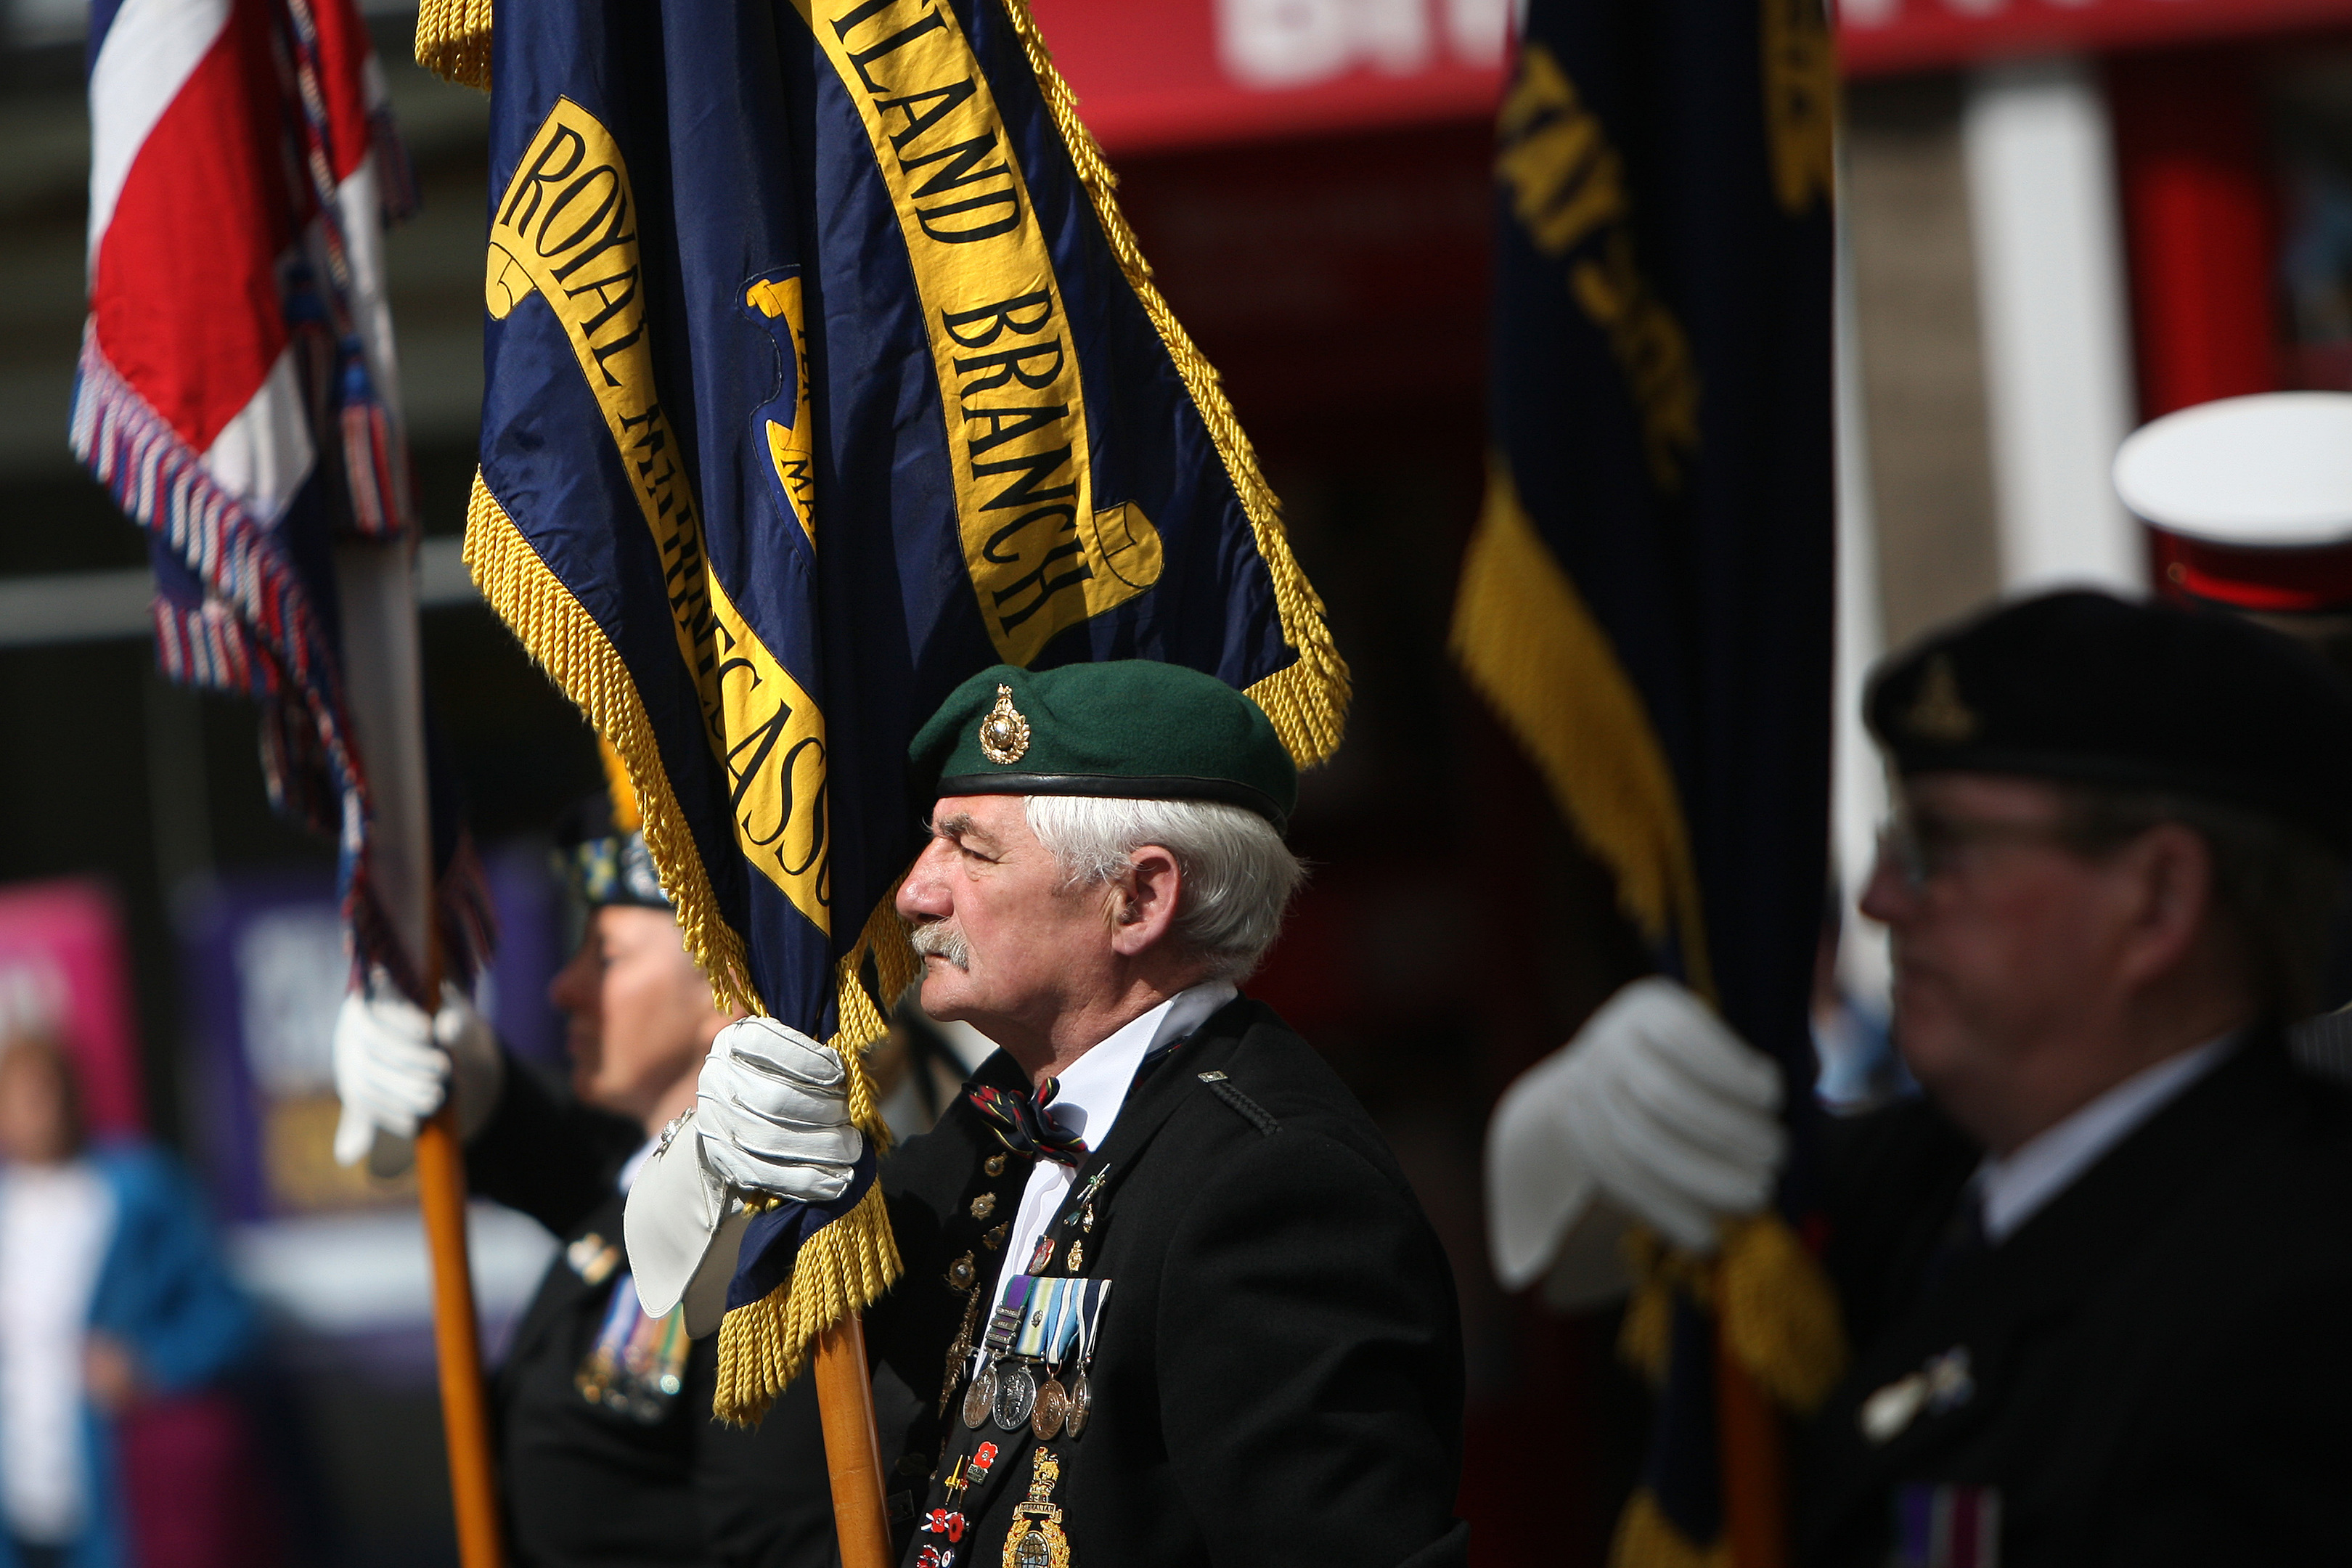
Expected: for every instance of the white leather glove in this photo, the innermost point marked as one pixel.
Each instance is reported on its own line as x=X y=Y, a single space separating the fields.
x=771 y=1114
x=394 y=1067
x=684 y=1230
x=1656 y=1106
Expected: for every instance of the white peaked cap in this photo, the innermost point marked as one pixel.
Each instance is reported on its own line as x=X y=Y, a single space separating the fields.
x=2270 y=471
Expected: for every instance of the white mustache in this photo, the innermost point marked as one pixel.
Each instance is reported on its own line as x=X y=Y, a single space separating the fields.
x=940 y=939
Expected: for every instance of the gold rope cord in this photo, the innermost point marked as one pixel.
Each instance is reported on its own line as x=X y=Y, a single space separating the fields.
x=1308 y=700
x=453 y=41
x=849 y=1263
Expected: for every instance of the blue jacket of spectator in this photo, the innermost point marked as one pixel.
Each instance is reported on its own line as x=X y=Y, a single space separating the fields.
x=162 y=1292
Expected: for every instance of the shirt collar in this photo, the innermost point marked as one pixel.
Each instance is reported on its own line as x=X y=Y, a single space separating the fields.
x=2015 y=1188
x=1088 y=1094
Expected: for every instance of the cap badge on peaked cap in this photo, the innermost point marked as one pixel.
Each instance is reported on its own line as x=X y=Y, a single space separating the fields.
x=1004 y=732
x=1938 y=713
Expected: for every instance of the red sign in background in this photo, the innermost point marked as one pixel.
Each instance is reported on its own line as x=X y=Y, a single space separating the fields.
x=1880 y=37
x=1158 y=75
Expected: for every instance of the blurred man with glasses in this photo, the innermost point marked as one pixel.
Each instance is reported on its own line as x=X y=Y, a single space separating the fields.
x=2097 y=1281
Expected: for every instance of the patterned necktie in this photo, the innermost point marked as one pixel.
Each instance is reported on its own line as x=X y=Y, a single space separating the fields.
x=1022 y=1125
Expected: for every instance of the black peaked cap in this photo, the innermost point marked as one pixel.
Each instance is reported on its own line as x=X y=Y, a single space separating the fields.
x=2091 y=688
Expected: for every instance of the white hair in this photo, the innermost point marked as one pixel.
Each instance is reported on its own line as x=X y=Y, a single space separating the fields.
x=1238 y=875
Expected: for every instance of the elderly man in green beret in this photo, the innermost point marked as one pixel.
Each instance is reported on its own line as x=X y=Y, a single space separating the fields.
x=1169 y=1297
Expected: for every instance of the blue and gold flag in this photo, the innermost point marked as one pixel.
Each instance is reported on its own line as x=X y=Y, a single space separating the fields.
x=823 y=372
x=1647 y=598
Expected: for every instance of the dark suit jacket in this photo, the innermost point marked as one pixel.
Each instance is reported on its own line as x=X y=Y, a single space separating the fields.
x=2162 y=1357
x=583 y=1485
x=1278 y=1376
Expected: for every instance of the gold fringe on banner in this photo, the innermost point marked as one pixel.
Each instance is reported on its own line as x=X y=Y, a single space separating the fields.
x=557 y=631
x=845 y=1266
x=1526 y=639
x=1307 y=702
x=453 y=41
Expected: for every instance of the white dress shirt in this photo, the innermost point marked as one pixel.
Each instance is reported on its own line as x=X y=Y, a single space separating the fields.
x=2016 y=1187
x=1087 y=1101
x=56 y=1224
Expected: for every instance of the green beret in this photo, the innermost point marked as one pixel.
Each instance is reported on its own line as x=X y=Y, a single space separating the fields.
x=1131 y=729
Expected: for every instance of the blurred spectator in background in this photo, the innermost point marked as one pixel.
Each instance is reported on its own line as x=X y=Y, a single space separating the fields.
x=608 y=1451
x=116 y=1320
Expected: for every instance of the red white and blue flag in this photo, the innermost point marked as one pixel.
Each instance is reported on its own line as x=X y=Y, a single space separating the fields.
x=238 y=392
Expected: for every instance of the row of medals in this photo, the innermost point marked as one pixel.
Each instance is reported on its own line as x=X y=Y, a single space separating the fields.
x=1015 y=1399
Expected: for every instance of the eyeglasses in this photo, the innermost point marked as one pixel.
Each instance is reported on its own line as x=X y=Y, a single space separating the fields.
x=1923 y=846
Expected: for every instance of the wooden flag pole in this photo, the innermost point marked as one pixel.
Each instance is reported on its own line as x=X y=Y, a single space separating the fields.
x=853 y=1453
x=384 y=694
x=1755 y=1486
x=464 y=1406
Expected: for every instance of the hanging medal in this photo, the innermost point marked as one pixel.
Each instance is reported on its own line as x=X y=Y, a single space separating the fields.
x=1089 y=1320
x=1053 y=1399
x=981 y=1398
x=1016 y=1390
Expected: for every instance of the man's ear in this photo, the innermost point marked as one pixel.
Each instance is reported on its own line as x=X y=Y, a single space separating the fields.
x=1144 y=901
x=2176 y=899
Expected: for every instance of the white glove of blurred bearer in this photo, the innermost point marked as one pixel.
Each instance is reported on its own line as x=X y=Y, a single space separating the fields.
x=1657 y=1109
x=392 y=1069
x=771 y=1115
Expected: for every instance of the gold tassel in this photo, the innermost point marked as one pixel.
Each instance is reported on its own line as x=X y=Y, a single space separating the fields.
x=1776 y=1308
x=1307 y=702
x=1646 y=1538
x=453 y=41
x=1778 y=1313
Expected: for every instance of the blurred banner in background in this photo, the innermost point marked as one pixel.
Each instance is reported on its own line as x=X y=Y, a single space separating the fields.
x=1647 y=604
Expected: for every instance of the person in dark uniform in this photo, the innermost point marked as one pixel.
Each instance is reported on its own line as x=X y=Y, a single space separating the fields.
x=607 y=1452
x=1167 y=1297
x=2096 y=1278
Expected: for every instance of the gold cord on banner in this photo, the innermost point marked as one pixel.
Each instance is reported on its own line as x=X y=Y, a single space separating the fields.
x=1307 y=702
x=453 y=41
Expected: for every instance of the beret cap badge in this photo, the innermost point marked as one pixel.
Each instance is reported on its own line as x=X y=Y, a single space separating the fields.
x=1004 y=732
x=1937 y=714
